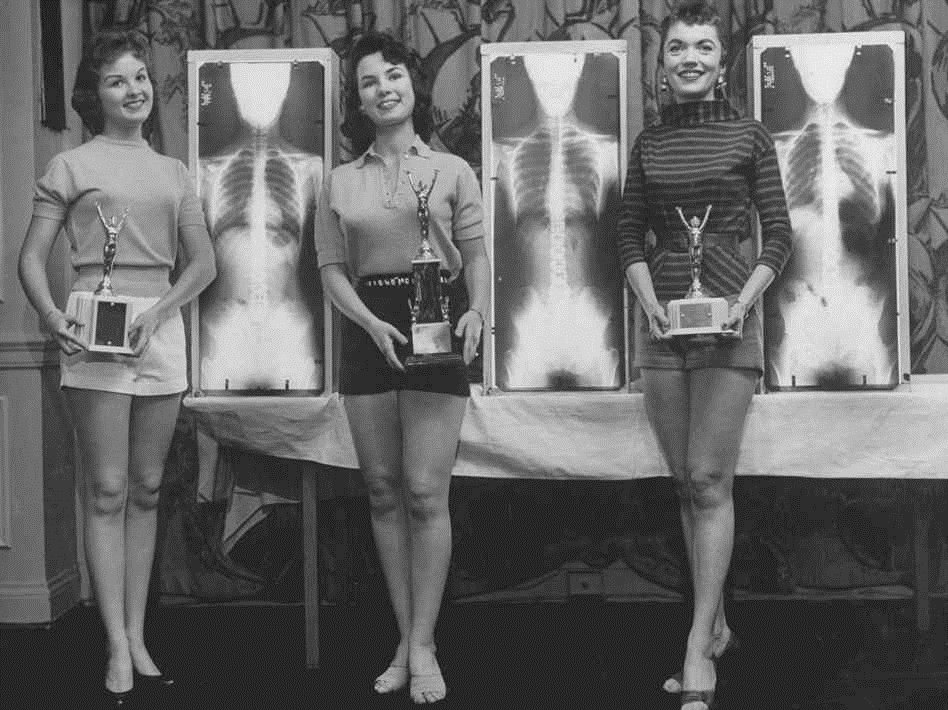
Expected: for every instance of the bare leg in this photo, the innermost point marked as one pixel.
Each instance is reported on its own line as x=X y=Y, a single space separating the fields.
x=151 y=429
x=432 y=426
x=377 y=435
x=719 y=399
x=101 y=421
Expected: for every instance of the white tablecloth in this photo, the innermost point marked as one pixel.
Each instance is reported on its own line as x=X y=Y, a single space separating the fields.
x=871 y=434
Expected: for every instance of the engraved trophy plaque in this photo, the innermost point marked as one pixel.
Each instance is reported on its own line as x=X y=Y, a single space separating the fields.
x=105 y=316
x=697 y=314
x=430 y=325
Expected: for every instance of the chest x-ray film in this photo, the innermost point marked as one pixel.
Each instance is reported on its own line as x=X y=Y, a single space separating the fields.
x=836 y=318
x=554 y=141
x=261 y=144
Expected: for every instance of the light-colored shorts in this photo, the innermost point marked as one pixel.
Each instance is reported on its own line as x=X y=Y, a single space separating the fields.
x=695 y=354
x=160 y=370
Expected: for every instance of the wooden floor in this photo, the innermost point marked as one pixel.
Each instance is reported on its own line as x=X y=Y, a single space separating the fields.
x=583 y=654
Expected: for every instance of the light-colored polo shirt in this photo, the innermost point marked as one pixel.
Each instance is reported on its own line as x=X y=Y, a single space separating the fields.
x=372 y=232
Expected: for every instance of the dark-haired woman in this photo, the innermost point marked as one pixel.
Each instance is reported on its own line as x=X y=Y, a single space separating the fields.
x=697 y=393
x=405 y=425
x=124 y=406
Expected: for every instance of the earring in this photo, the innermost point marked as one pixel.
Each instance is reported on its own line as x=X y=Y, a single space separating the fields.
x=663 y=84
x=721 y=84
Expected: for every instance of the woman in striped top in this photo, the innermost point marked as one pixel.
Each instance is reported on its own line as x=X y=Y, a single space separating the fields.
x=697 y=393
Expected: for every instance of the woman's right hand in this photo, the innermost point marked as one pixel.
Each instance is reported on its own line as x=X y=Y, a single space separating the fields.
x=61 y=327
x=658 y=323
x=385 y=335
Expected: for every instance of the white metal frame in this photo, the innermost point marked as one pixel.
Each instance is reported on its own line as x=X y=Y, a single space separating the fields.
x=898 y=174
x=330 y=61
x=495 y=50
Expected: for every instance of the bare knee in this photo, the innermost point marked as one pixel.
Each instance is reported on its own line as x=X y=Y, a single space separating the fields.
x=384 y=489
x=709 y=488
x=427 y=502
x=107 y=494
x=144 y=491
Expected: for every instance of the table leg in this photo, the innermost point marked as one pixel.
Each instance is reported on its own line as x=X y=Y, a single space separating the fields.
x=921 y=541
x=309 y=492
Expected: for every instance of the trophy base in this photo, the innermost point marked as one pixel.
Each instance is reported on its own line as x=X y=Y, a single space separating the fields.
x=431 y=346
x=106 y=320
x=699 y=316
x=416 y=363
x=431 y=338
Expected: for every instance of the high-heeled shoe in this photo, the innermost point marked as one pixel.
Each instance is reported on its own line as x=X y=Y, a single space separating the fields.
x=110 y=700
x=673 y=683
x=698 y=696
x=154 y=682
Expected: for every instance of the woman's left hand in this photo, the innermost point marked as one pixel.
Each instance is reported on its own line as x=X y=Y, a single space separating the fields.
x=470 y=326
x=735 y=316
x=141 y=330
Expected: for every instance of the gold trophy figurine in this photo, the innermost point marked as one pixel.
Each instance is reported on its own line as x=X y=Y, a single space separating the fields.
x=430 y=325
x=697 y=314
x=105 y=316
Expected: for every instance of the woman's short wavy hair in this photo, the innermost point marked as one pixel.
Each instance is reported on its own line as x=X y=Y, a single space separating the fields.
x=104 y=48
x=356 y=126
x=692 y=12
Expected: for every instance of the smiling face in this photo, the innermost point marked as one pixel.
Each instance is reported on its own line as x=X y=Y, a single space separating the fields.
x=125 y=92
x=386 y=94
x=691 y=57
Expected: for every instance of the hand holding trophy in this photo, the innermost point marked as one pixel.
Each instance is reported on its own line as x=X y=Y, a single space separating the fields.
x=430 y=326
x=697 y=314
x=105 y=316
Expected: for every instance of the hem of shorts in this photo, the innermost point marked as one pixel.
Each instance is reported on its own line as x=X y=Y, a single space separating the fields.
x=153 y=390
x=703 y=366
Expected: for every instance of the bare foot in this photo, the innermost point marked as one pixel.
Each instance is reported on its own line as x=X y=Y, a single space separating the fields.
x=699 y=674
x=427 y=684
x=395 y=677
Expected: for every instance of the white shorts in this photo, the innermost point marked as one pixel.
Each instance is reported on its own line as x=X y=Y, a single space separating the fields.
x=160 y=370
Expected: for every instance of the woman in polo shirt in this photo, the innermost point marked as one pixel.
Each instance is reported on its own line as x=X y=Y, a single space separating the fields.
x=124 y=406
x=405 y=424
x=697 y=393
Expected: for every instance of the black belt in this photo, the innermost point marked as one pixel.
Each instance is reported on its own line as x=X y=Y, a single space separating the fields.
x=395 y=280
x=680 y=242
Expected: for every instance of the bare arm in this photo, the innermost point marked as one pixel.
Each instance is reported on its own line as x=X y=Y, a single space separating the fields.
x=477 y=280
x=337 y=286
x=40 y=237
x=198 y=272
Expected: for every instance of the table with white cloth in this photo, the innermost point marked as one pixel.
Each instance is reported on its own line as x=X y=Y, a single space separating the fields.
x=899 y=434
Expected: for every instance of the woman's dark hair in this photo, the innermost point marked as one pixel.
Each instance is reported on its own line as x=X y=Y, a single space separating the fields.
x=692 y=12
x=104 y=48
x=356 y=126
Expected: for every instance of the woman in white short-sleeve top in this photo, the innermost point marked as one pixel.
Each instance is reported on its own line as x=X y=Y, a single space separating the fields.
x=124 y=406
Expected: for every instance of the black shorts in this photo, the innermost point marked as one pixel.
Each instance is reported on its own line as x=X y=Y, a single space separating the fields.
x=364 y=369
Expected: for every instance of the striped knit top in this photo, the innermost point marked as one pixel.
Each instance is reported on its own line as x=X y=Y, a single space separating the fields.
x=702 y=153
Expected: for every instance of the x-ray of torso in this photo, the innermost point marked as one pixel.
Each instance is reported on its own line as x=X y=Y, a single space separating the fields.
x=556 y=180
x=257 y=321
x=832 y=299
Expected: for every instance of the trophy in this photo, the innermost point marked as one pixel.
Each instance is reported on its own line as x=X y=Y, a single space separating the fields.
x=697 y=314
x=430 y=325
x=105 y=316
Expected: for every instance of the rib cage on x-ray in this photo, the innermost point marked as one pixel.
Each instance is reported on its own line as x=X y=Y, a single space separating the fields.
x=832 y=314
x=258 y=320
x=556 y=319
